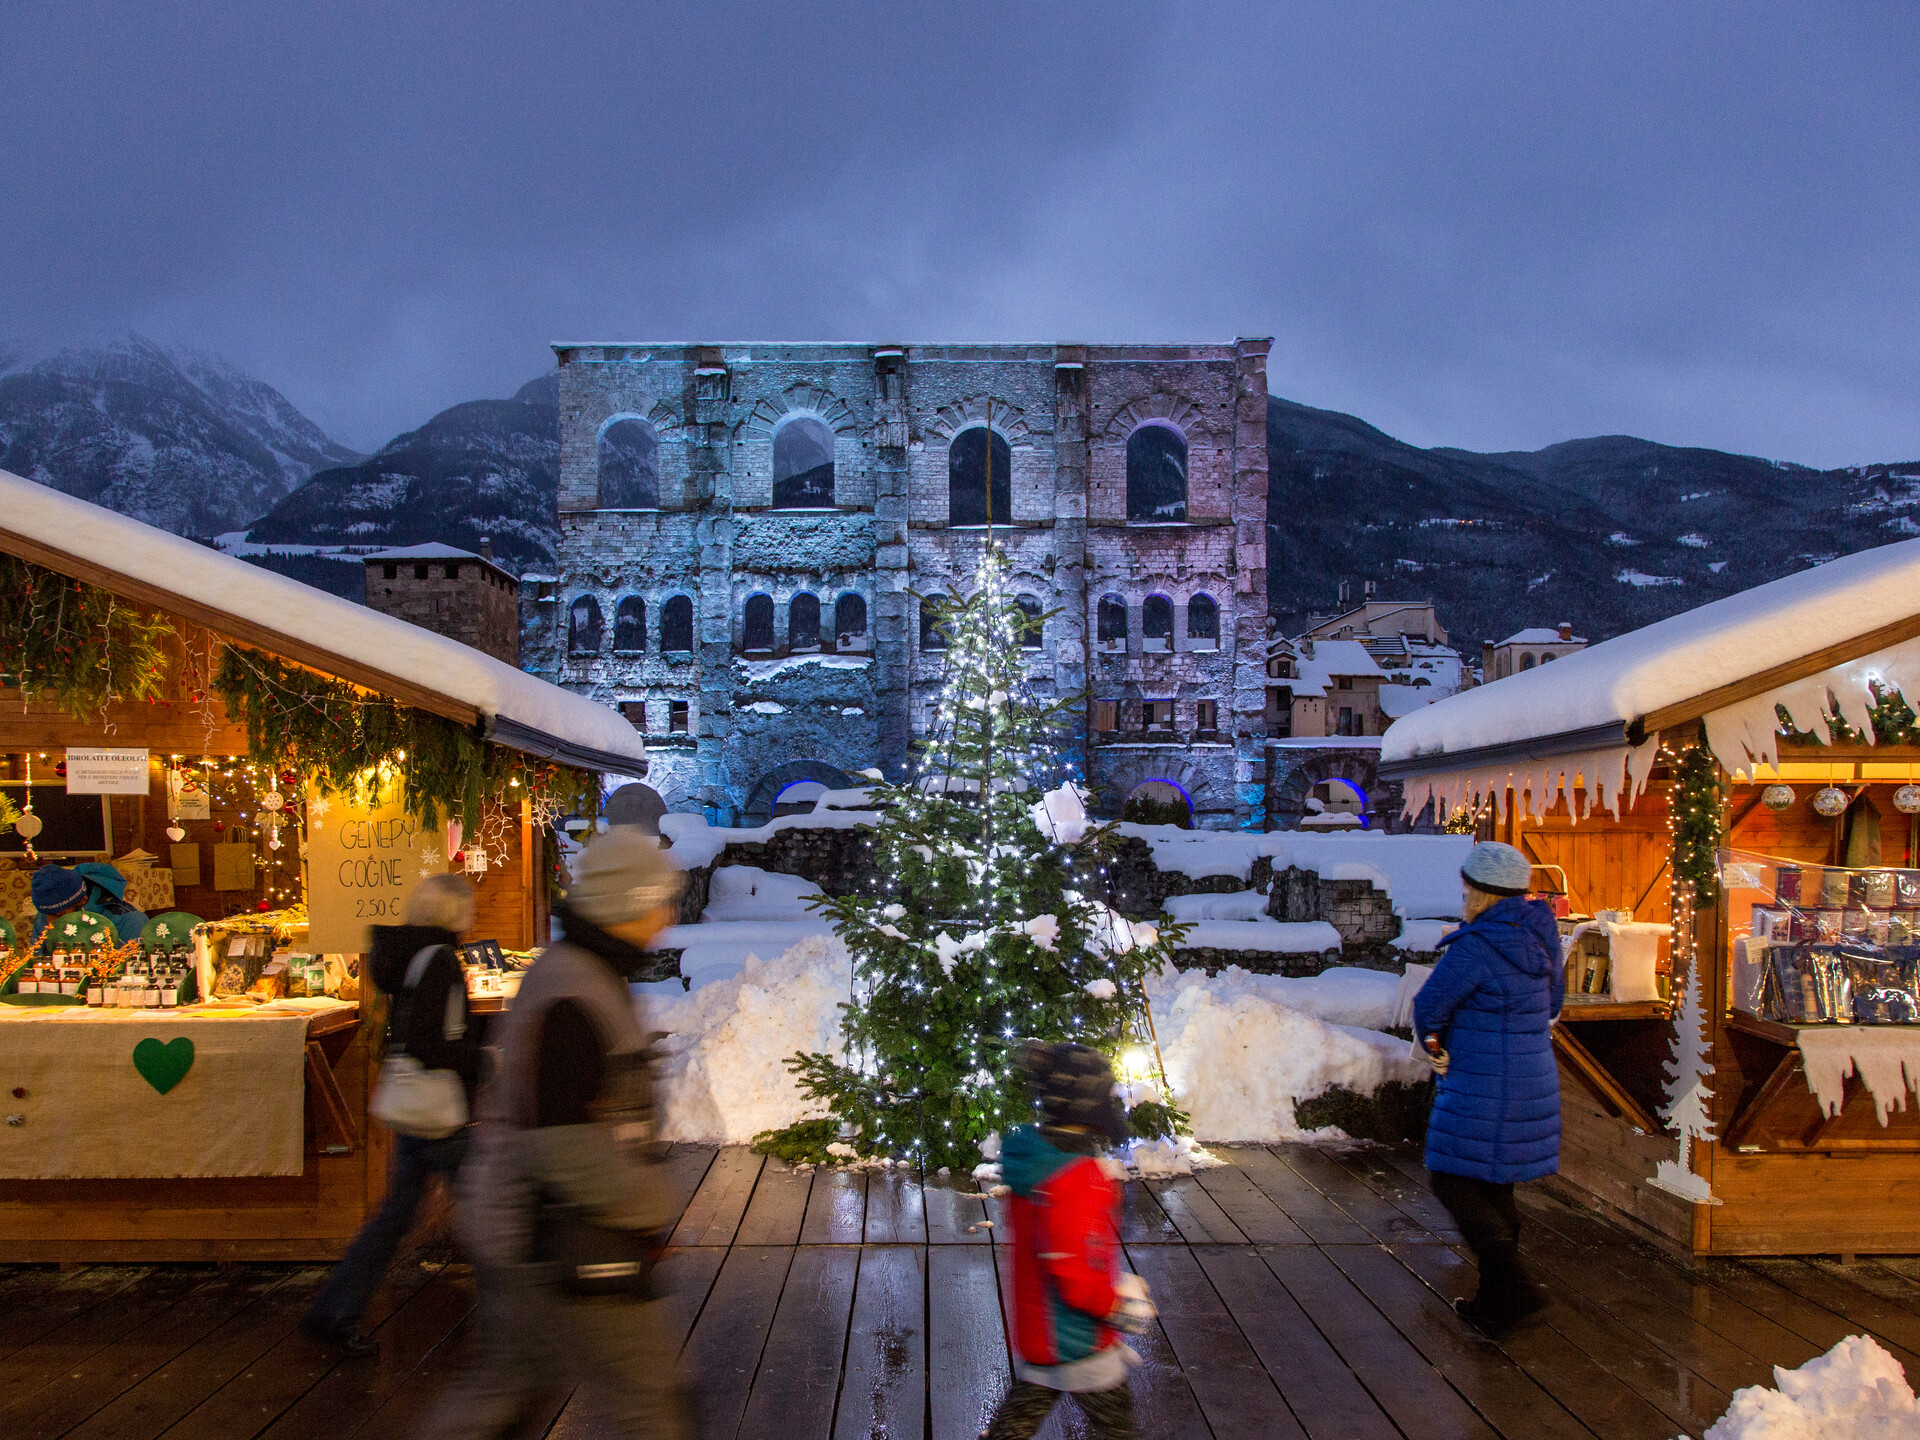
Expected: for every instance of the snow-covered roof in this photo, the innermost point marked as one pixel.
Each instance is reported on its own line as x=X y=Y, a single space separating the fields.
x=330 y=634
x=1836 y=626
x=1398 y=700
x=433 y=551
x=1314 y=673
x=1540 y=636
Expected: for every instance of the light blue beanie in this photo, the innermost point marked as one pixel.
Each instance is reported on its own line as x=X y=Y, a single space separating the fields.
x=1498 y=869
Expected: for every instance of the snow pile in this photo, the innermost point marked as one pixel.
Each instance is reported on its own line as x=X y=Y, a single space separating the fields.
x=1240 y=905
x=1423 y=937
x=1273 y=937
x=1420 y=872
x=721 y=950
x=745 y=892
x=1856 y=1391
x=1157 y=1159
x=1239 y=1058
x=729 y=1040
x=695 y=843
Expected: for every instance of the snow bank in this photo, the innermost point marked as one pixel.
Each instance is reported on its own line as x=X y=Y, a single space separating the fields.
x=1239 y=1058
x=1856 y=1391
x=1240 y=905
x=1273 y=937
x=1420 y=872
x=721 y=950
x=729 y=1041
x=746 y=892
x=696 y=843
x=1423 y=936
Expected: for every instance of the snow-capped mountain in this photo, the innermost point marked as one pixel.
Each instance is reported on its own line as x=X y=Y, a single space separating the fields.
x=177 y=439
x=484 y=469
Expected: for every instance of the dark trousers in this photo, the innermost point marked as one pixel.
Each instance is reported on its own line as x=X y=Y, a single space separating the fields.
x=1489 y=1222
x=356 y=1277
x=1109 y=1412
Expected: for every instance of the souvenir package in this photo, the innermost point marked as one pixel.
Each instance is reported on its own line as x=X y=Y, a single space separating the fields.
x=1819 y=945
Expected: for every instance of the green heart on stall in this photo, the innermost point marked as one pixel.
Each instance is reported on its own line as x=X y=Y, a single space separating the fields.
x=163 y=1066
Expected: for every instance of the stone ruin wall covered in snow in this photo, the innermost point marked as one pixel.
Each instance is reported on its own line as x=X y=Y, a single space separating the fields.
x=687 y=548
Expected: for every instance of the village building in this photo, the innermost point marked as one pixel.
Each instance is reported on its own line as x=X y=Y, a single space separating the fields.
x=1524 y=649
x=753 y=538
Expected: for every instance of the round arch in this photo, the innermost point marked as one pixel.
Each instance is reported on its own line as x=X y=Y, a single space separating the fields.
x=766 y=791
x=1287 y=799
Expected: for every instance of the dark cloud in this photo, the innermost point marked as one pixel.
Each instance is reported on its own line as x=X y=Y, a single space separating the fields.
x=1487 y=227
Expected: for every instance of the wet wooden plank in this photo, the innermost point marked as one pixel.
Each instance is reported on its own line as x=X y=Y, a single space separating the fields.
x=1142 y=1221
x=836 y=1209
x=1860 y=1308
x=1250 y=1209
x=681 y=1172
x=66 y=1350
x=1194 y=1213
x=1322 y=1221
x=955 y=1208
x=1326 y=1397
x=778 y=1207
x=278 y=1376
x=713 y=1214
x=78 y=1391
x=794 y=1391
x=1385 y=1222
x=1414 y=1394
x=1584 y=1388
x=967 y=1367
x=74 y=1293
x=884 y=1389
x=895 y=1212
x=183 y=1382
x=1234 y=1391
x=412 y=1405
x=352 y=1390
x=724 y=1350
x=1412 y=1195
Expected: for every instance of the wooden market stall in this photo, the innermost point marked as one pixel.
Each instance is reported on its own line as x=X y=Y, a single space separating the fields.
x=1730 y=795
x=281 y=766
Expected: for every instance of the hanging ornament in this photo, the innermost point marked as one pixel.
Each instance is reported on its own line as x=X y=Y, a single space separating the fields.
x=176 y=834
x=1777 y=797
x=273 y=800
x=1831 y=801
x=1907 y=799
x=264 y=906
x=273 y=842
x=29 y=825
x=219 y=826
x=60 y=769
x=288 y=779
x=476 y=861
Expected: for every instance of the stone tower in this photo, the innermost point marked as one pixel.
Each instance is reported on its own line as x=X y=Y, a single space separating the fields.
x=455 y=593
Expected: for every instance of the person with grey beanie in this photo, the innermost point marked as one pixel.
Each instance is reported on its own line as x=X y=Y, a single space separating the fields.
x=1485 y=1016
x=562 y=1206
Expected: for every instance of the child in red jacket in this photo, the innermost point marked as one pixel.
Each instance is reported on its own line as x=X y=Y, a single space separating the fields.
x=1071 y=1298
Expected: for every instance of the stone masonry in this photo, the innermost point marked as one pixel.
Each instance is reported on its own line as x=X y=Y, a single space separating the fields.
x=694 y=557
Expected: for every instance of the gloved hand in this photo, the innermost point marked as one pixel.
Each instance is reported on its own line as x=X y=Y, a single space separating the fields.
x=1134 y=1311
x=1431 y=1051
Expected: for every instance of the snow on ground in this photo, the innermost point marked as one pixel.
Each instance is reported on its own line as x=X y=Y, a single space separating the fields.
x=1423 y=936
x=1239 y=905
x=728 y=1080
x=696 y=843
x=745 y=892
x=1273 y=937
x=1420 y=872
x=1238 y=1058
x=1856 y=1391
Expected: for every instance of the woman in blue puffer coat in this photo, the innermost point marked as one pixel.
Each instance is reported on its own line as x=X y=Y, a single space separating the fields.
x=1486 y=1016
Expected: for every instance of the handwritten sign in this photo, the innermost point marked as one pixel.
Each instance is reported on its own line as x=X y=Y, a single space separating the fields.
x=361 y=865
x=106 y=772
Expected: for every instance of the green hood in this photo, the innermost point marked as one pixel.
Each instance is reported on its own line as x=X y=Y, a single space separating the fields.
x=1028 y=1160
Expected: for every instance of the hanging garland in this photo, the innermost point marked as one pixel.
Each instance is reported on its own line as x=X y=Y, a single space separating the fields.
x=75 y=644
x=1696 y=823
x=350 y=740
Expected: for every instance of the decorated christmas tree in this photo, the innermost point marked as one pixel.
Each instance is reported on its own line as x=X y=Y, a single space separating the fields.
x=982 y=927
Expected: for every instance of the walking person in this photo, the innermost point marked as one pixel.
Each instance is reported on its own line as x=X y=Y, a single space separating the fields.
x=1071 y=1298
x=561 y=1205
x=1485 y=1016
x=418 y=968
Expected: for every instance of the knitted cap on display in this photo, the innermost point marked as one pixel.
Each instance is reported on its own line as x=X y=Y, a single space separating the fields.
x=1498 y=869
x=621 y=876
x=55 y=887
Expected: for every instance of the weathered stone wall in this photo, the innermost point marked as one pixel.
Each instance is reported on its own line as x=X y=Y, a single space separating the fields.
x=836 y=860
x=1363 y=915
x=1139 y=890
x=1065 y=413
x=478 y=606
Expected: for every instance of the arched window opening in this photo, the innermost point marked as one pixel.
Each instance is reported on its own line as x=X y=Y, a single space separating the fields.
x=629 y=466
x=933 y=635
x=1156 y=474
x=1032 y=627
x=1203 y=623
x=757 y=632
x=1156 y=623
x=802 y=465
x=1526 y=661
x=1158 y=802
x=1111 y=629
x=676 y=624
x=1549 y=655
x=803 y=623
x=583 y=626
x=630 y=626
x=850 y=622
x=967 y=478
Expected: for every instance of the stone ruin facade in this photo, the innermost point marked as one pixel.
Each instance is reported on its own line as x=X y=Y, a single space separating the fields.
x=747 y=532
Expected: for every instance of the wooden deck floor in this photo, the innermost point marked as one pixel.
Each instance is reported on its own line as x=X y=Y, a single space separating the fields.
x=1303 y=1293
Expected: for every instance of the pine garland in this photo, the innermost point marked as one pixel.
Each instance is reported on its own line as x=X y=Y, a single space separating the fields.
x=1696 y=802
x=76 y=644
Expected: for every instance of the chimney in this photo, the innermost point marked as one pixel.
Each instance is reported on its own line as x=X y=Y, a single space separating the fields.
x=1566 y=630
x=1486 y=661
x=1368 y=590
x=486 y=553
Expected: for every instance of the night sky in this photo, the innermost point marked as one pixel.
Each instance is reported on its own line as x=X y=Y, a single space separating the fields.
x=1494 y=227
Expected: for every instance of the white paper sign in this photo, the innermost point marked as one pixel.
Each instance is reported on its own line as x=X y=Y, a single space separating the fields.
x=106 y=772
